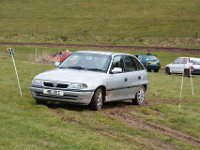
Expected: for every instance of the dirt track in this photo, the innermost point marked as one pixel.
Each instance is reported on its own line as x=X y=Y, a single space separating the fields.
x=133 y=120
x=110 y=47
x=120 y=112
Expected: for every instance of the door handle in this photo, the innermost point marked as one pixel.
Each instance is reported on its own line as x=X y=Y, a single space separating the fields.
x=125 y=79
x=139 y=77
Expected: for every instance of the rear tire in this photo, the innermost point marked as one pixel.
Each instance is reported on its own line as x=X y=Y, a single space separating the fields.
x=167 y=71
x=148 y=70
x=97 y=100
x=139 y=96
x=156 y=70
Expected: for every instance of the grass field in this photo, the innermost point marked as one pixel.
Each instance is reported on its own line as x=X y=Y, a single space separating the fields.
x=127 y=22
x=25 y=125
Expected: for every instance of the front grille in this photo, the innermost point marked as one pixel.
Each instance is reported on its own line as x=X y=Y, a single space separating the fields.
x=48 y=84
x=56 y=85
x=62 y=85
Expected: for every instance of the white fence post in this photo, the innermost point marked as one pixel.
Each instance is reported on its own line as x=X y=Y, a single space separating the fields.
x=11 y=51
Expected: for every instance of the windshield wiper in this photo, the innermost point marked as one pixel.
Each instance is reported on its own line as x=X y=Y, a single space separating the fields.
x=96 y=69
x=76 y=67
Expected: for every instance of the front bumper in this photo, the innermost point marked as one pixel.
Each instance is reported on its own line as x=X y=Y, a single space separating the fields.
x=153 y=67
x=77 y=96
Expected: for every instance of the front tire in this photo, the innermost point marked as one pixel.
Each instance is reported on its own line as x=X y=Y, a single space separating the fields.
x=97 y=100
x=139 y=96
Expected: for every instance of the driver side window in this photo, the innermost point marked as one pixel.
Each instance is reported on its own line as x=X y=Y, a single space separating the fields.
x=118 y=62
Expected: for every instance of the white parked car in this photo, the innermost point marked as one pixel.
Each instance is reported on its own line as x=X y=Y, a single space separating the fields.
x=186 y=65
x=92 y=77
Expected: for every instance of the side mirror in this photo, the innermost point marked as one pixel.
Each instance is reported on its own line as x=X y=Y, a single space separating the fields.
x=116 y=70
x=56 y=64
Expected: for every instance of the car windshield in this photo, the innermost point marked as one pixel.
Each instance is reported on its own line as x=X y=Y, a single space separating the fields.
x=87 y=61
x=147 y=57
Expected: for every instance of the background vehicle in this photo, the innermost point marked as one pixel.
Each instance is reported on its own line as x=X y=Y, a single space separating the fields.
x=64 y=55
x=150 y=61
x=89 y=77
x=186 y=65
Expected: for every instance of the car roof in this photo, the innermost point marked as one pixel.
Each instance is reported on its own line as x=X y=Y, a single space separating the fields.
x=194 y=58
x=146 y=54
x=104 y=52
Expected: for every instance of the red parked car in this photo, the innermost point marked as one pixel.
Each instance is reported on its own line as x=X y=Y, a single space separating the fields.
x=64 y=55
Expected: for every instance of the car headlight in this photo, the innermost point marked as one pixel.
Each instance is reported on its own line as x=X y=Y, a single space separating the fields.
x=77 y=86
x=37 y=82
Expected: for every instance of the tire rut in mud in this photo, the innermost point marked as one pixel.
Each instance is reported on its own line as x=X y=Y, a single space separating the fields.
x=128 y=117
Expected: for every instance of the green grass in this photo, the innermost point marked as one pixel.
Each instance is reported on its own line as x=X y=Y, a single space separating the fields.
x=25 y=125
x=129 y=22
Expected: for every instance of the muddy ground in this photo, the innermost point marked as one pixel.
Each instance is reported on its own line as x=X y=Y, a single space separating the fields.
x=119 y=111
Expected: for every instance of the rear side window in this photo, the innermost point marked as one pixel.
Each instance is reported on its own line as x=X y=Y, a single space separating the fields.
x=139 y=65
x=184 y=60
x=132 y=64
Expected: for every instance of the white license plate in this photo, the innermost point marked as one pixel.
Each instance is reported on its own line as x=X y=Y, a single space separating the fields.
x=53 y=92
x=153 y=63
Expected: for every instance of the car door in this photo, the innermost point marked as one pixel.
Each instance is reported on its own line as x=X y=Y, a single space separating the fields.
x=117 y=82
x=135 y=75
x=183 y=64
x=175 y=66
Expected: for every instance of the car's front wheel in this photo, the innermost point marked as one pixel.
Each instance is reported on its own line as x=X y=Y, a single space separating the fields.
x=139 y=96
x=97 y=100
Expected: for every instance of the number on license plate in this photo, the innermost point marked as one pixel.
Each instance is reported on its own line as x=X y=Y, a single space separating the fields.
x=53 y=92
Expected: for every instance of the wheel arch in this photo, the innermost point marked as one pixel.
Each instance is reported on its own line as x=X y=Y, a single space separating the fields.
x=168 y=70
x=104 y=91
x=145 y=87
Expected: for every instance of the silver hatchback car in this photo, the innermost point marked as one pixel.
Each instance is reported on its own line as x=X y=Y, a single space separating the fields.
x=92 y=77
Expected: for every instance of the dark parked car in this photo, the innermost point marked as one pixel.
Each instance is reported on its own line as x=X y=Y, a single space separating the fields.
x=150 y=61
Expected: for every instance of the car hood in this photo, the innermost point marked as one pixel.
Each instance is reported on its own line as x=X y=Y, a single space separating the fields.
x=71 y=75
